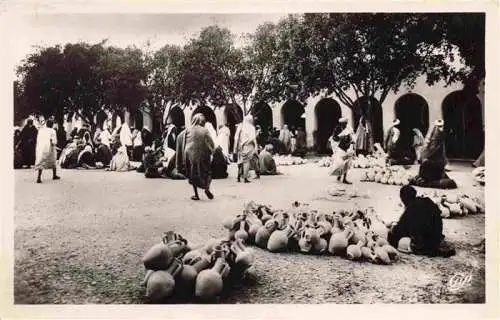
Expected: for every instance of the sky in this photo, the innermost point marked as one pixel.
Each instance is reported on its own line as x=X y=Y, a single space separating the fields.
x=120 y=29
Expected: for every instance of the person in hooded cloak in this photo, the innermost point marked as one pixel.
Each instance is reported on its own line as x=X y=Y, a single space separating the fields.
x=195 y=156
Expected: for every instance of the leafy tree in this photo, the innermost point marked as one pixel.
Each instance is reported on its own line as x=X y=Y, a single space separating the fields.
x=369 y=54
x=82 y=79
x=163 y=81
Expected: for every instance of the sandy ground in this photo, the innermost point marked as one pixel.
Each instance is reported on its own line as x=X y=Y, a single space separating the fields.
x=79 y=240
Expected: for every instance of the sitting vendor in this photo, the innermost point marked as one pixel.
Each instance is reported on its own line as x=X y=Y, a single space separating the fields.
x=432 y=170
x=267 y=165
x=421 y=222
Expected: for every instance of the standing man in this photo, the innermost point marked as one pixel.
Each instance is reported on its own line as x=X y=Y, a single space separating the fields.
x=391 y=143
x=28 y=143
x=344 y=152
x=46 y=150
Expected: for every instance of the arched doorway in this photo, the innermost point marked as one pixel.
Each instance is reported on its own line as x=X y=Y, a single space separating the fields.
x=462 y=115
x=138 y=120
x=328 y=113
x=413 y=112
x=292 y=115
x=234 y=116
x=177 y=115
x=263 y=116
x=371 y=109
x=208 y=113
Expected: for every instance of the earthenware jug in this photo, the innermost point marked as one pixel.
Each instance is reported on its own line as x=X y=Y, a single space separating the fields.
x=161 y=284
x=230 y=223
x=354 y=250
x=243 y=256
x=209 y=282
x=382 y=255
x=264 y=232
x=339 y=242
x=161 y=255
x=254 y=224
x=391 y=251
x=278 y=241
x=321 y=246
x=241 y=233
x=187 y=278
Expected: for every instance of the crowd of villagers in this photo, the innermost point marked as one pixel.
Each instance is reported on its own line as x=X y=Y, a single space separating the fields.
x=198 y=153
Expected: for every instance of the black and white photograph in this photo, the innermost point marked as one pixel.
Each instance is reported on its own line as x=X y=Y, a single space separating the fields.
x=325 y=157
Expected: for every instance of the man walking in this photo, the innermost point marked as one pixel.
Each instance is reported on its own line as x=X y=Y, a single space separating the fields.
x=46 y=150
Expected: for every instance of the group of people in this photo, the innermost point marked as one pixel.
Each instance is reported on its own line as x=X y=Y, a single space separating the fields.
x=429 y=151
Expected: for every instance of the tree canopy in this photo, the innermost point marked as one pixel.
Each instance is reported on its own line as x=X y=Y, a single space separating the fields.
x=350 y=55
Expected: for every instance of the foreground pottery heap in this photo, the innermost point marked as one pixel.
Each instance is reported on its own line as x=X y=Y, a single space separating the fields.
x=396 y=175
x=288 y=160
x=355 y=235
x=455 y=205
x=175 y=269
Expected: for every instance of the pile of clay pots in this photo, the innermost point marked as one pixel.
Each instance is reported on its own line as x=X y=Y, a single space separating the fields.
x=395 y=175
x=174 y=270
x=368 y=161
x=288 y=160
x=456 y=205
x=356 y=234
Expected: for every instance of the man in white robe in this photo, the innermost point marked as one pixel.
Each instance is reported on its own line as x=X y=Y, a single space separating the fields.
x=46 y=156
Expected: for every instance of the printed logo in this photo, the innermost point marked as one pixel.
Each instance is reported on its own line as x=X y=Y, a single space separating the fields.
x=459 y=281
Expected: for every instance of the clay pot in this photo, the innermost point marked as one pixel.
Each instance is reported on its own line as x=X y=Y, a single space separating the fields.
x=278 y=241
x=209 y=282
x=161 y=255
x=404 y=245
x=210 y=245
x=324 y=224
x=254 y=224
x=241 y=233
x=367 y=254
x=187 y=278
x=230 y=223
x=445 y=212
x=339 y=242
x=244 y=256
x=161 y=284
x=264 y=232
x=382 y=255
x=321 y=247
x=391 y=251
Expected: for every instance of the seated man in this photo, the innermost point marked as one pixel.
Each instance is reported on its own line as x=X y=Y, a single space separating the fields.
x=421 y=222
x=152 y=163
x=102 y=153
x=86 y=158
x=267 y=165
x=120 y=161
x=432 y=175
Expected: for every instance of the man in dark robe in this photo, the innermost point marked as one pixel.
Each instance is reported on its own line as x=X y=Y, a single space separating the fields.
x=219 y=165
x=103 y=153
x=28 y=143
x=147 y=137
x=422 y=223
x=62 y=140
x=18 y=156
